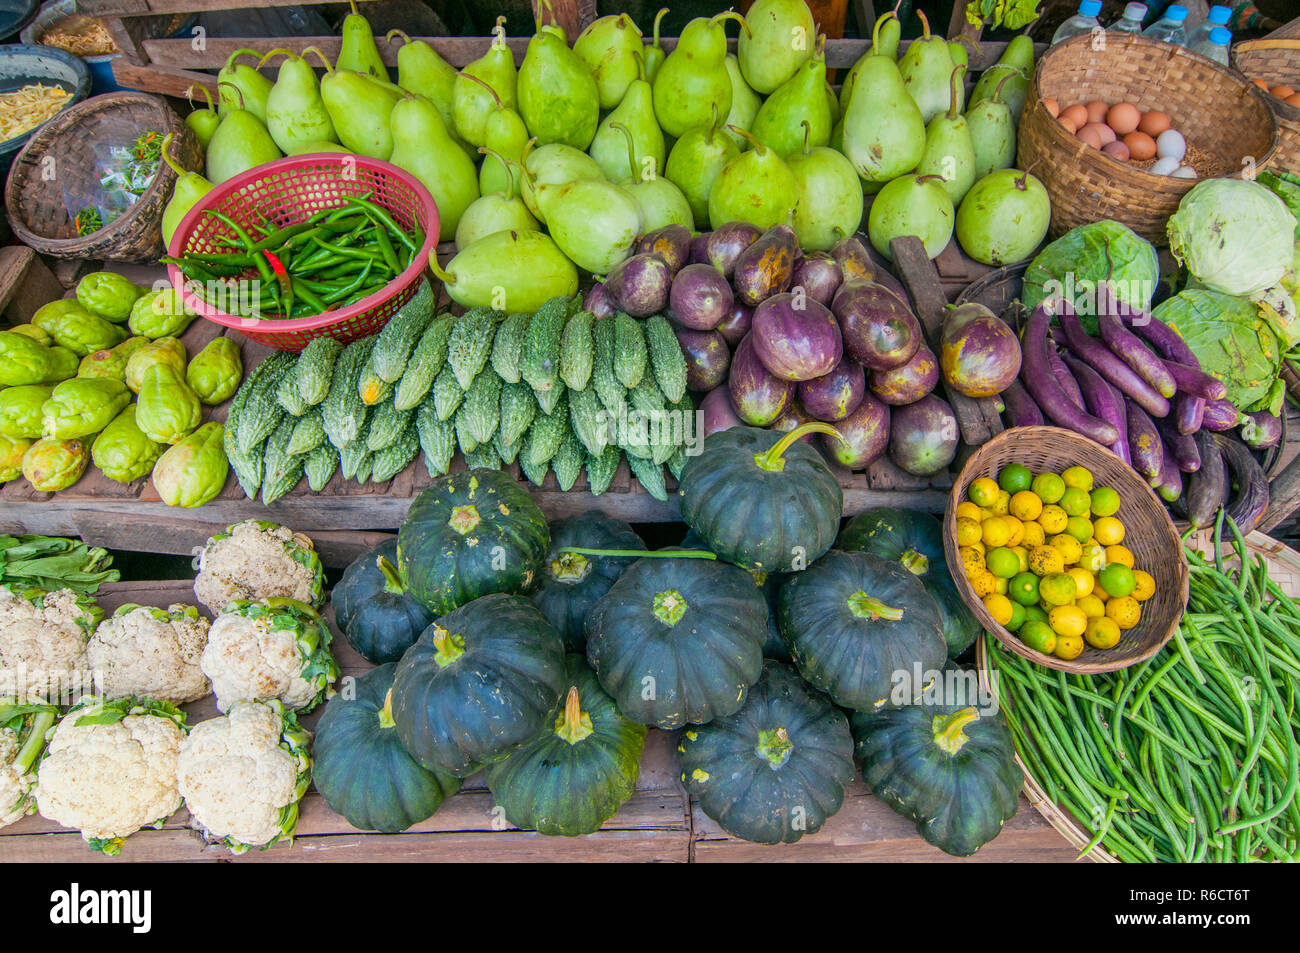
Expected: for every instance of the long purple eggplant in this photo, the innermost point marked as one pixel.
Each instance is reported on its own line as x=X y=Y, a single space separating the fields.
x=1107 y=364
x=1099 y=398
x=1170 y=486
x=1189 y=412
x=1247 y=508
x=1062 y=372
x=1128 y=347
x=1207 y=488
x=1144 y=443
x=1220 y=415
x=1194 y=381
x=1181 y=446
x=1161 y=336
x=1037 y=376
x=1021 y=411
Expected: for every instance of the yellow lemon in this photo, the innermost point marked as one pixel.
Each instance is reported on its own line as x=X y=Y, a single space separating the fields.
x=983 y=582
x=1109 y=531
x=1078 y=477
x=1056 y=589
x=1048 y=486
x=1000 y=585
x=1068 y=647
x=1092 y=607
x=968 y=531
x=1102 y=633
x=971 y=559
x=983 y=491
x=1025 y=505
x=1002 y=504
x=1053 y=519
x=1046 y=560
x=1092 y=558
x=1034 y=534
x=968 y=510
x=1144 y=586
x=1067 y=620
x=1083 y=581
x=999 y=607
x=1017 y=529
x=1022 y=554
x=995 y=532
x=1118 y=554
x=1125 y=611
x=1070 y=548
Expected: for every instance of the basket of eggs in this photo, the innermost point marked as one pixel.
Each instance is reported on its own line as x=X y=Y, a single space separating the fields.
x=1123 y=130
x=1274 y=65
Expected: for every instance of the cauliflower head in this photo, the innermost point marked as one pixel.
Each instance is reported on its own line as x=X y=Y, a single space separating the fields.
x=22 y=739
x=111 y=769
x=150 y=652
x=264 y=651
x=243 y=774
x=257 y=559
x=43 y=642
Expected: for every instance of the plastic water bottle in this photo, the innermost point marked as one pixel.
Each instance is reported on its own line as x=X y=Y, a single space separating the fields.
x=1085 y=21
x=1218 y=16
x=1131 y=21
x=1215 y=46
x=1197 y=11
x=1169 y=28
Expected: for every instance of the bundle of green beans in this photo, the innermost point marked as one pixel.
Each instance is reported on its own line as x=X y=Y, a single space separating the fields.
x=331 y=260
x=1191 y=755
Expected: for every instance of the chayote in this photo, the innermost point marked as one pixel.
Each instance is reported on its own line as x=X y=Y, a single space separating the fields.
x=216 y=371
x=82 y=406
x=11 y=457
x=20 y=410
x=112 y=362
x=33 y=332
x=194 y=470
x=22 y=360
x=122 y=451
x=160 y=314
x=108 y=295
x=77 y=329
x=168 y=351
x=52 y=464
x=63 y=364
x=166 y=409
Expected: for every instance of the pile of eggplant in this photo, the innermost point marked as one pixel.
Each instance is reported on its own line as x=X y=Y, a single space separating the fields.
x=775 y=338
x=1139 y=390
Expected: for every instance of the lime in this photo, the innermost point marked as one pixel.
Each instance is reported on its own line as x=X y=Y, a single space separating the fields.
x=1024 y=588
x=1079 y=477
x=1002 y=562
x=1117 y=579
x=1035 y=614
x=1102 y=633
x=1015 y=477
x=1017 y=617
x=1038 y=636
x=983 y=492
x=1058 y=589
x=1049 y=487
x=1105 y=501
x=1080 y=527
x=1075 y=502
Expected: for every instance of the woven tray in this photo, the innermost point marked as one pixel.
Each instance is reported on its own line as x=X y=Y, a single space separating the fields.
x=1277 y=62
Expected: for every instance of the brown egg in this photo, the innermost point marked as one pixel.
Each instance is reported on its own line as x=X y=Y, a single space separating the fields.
x=1123 y=118
x=1116 y=150
x=1097 y=111
x=1282 y=92
x=1067 y=123
x=1053 y=107
x=1262 y=84
x=1293 y=99
x=1091 y=134
x=1076 y=114
x=1140 y=146
x=1154 y=122
x=1104 y=132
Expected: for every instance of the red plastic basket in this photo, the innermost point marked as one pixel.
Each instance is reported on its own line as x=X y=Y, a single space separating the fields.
x=288 y=191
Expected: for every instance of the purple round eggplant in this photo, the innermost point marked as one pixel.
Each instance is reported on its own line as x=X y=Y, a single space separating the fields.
x=718 y=412
x=1261 y=430
x=672 y=243
x=726 y=243
x=700 y=297
x=879 y=329
x=796 y=338
x=737 y=323
x=639 y=285
x=865 y=434
x=923 y=436
x=700 y=249
x=707 y=358
x=819 y=276
x=757 y=396
x=857 y=259
x=794 y=416
x=598 y=302
x=907 y=383
x=835 y=395
x=766 y=267
x=978 y=353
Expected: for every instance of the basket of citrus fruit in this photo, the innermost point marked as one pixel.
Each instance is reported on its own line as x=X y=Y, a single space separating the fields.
x=1063 y=552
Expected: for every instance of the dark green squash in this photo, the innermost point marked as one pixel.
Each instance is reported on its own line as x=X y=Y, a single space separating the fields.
x=362 y=770
x=479 y=682
x=776 y=769
x=950 y=769
x=678 y=641
x=373 y=610
x=571 y=583
x=915 y=540
x=577 y=773
x=761 y=499
x=770 y=584
x=470 y=534
x=859 y=627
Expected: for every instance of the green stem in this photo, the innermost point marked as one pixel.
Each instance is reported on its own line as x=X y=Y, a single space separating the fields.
x=948 y=733
x=386 y=713
x=869 y=607
x=42 y=721
x=774 y=746
x=570 y=567
x=392 y=580
x=915 y=563
x=773 y=460
x=669 y=607
x=574 y=724
x=450 y=647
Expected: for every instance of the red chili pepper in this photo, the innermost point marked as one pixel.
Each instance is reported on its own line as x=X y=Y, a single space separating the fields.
x=281 y=276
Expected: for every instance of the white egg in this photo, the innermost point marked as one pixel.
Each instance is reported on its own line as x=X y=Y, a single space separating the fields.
x=1185 y=172
x=1165 y=166
x=1171 y=144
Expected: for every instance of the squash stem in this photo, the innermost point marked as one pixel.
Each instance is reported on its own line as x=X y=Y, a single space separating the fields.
x=916 y=563
x=948 y=734
x=669 y=607
x=464 y=518
x=774 y=459
x=449 y=647
x=392 y=580
x=386 y=713
x=774 y=746
x=642 y=553
x=574 y=724
x=869 y=607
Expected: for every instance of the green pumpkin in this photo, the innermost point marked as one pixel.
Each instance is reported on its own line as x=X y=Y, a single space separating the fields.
x=361 y=768
x=678 y=640
x=950 y=769
x=915 y=540
x=470 y=534
x=478 y=683
x=776 y=769
x=859 y=626
x=572 y=583
x=372 y=607
x=769 y=583
x=574 y=776
x=761 y=499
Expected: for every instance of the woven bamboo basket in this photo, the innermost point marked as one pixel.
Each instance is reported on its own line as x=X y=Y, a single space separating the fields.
x=1150 y=536
x=1283 y=569
x=70 y=144
x=1224 y=118
x=1277 y=62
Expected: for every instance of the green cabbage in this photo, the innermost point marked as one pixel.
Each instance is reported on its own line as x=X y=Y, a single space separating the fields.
x=1235 y=236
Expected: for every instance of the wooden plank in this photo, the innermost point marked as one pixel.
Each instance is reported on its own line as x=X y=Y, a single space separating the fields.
x=162 y=80
x=106 y=8
x=26 y=283
x=1284 y=497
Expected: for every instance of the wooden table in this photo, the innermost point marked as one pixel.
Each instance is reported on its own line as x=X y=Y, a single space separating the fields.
x=659 y=823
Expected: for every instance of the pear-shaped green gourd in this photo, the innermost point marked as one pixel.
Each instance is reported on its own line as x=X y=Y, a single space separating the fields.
x=242 y=87
x=992 y=132
x=509 y=271
x=1015 y=89
x=779 y=38
x=661 y=201
x=948 y=149
x=884 y=134
x=1004 y=217
x=423 y=147
x=694 y=163
x=609 y=147
x=495 y=211
x=694 y=79
x=911 y=205
x=926 y=66
x=422 y=71
x=471 y=104
x=504 y=139
x=611 y=49
x=358 y=51
x=360 y=106
x=829 y=197
x=202 y=122
x=1019 y=53
x=745 y=104
x=240 y=143
x=558 y=99
x=554 y=164
x=189 y=188
x=594 y=222
x=780 y=123
x=885 y=37
x=295 y=113
x=652 y=57
x=756 y=187
x=957 y=50
x=316 y=145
